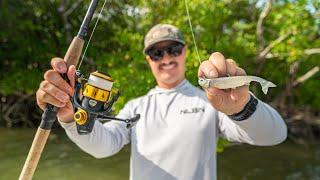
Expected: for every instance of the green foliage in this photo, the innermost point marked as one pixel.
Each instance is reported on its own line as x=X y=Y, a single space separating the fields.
x=222 y=144
x=34 y=31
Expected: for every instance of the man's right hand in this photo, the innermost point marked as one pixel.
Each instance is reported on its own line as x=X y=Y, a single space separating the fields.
x=56 y=91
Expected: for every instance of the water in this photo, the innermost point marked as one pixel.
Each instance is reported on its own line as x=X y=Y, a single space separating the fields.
x=287 y=161
x=62 y=160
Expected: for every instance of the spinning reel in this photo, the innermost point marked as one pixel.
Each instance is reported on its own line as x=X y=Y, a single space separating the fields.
x=93 y=98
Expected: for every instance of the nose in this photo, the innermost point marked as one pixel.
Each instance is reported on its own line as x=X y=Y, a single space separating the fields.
x=166 y=56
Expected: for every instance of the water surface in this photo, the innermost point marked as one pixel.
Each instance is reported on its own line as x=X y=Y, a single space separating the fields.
x=62 y=160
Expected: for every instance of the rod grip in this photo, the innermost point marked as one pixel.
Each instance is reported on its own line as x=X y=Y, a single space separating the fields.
x=49 y=116
x=74 y=51
x=36 y=149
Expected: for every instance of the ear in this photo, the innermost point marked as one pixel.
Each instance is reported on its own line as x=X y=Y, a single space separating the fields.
x=148 y=59
x=184 y=50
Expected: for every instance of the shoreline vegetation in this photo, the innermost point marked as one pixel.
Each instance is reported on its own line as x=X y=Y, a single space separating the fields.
x=276 y=40
x=20 y=111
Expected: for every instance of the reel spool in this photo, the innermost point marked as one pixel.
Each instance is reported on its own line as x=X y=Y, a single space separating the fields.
x=93 y=98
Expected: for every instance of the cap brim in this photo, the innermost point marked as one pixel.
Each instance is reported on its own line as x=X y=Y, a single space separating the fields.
x=155 y=42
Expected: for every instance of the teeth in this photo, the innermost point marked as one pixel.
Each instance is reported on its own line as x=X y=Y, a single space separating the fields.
x=169 y=66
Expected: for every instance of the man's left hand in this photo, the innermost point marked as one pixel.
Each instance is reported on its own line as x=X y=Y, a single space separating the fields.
x=228 y=101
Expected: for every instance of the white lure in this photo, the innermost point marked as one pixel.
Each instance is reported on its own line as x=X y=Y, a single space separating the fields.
x=234 y=82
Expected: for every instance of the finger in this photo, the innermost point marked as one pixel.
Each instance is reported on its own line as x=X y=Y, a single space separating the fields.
x=53 y=91
x=240 y=93
x=43 y=98
x=240 y=72
x=59 y=65
x=40 y=102
x=71 y=75
x=208 y=70
x=214 y=92
x=218 y=60
x=69 y=104
x=55 y=78
x=231 y=67
x=215 y=96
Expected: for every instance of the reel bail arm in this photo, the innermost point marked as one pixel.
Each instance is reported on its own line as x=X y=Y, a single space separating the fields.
x=93 y=100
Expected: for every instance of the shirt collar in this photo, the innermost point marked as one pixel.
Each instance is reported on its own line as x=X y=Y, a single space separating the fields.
x=182 y=86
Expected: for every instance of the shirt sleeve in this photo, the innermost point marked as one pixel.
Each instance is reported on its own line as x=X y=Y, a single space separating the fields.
x=264 y=127
x=105 y=139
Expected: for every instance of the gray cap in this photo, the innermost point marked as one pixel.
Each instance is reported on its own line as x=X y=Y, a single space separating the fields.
x=162 y=32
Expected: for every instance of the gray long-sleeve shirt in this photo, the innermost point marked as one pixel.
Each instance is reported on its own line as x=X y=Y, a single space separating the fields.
x=176 y=135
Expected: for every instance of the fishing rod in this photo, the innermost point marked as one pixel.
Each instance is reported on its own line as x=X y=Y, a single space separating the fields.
x=93 y=97
x=49 y=115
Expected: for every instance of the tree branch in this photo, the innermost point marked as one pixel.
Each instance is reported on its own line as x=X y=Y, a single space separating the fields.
x=308 y=52
x=259 y=30
x=262 y=55
x=65 y=13
x=306 y=76
x=312 y=51
x=62 y=6
x=72 y=8
x=14 y=108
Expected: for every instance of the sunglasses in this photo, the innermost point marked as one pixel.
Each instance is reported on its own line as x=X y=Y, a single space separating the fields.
x=157 y=54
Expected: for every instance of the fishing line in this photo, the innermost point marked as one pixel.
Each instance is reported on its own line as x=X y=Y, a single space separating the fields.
x=94 y=28
x=191 y=29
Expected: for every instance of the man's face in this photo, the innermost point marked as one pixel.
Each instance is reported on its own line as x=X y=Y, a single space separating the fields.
x=168 y=70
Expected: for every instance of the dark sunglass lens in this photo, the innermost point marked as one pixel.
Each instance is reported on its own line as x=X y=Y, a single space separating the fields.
x=175 y=49
x=156 y=54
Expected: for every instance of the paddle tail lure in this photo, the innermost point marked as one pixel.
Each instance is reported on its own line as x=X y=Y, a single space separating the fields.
x=234 y=82
x=49 y=115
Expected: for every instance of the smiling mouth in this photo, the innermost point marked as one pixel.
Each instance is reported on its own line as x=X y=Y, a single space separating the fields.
x=168 y=66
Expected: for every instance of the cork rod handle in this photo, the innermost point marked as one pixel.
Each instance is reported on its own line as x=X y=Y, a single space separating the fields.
x=48 y=117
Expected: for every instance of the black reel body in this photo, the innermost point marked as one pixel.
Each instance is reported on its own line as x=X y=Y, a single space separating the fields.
x=93 y=99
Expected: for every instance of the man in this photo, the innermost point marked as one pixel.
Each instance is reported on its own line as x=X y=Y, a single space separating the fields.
x=176 y=135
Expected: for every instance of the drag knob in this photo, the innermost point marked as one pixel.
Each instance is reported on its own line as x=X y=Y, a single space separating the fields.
x=80 y=117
